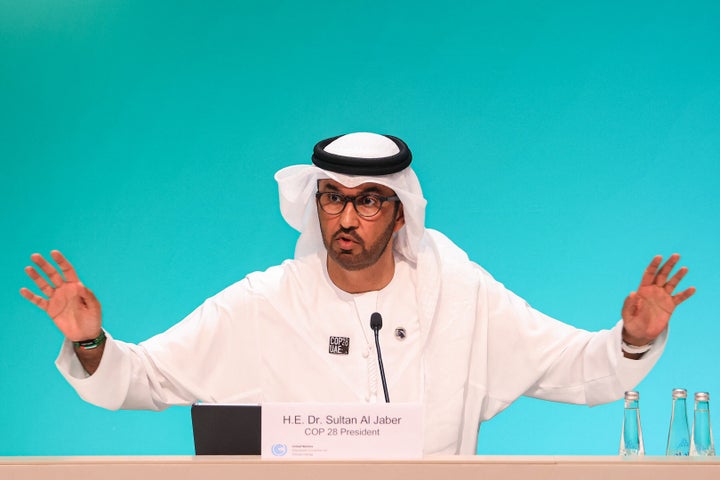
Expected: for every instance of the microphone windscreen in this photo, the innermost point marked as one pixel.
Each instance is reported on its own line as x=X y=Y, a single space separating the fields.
x=376 y=321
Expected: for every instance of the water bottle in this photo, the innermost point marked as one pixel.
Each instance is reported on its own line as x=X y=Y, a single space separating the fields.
x=631 y=440
x=701 y=441
x=678 y=442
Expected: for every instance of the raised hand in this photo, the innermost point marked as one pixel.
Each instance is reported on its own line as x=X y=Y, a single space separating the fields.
x=71 y=305
x=647 y=311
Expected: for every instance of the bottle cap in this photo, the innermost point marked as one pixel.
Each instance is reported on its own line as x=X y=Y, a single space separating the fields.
x=702 y=397
x=631 y=395
x=679 y=393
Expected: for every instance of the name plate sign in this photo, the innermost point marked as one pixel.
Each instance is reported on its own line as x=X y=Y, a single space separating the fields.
x=342 y=431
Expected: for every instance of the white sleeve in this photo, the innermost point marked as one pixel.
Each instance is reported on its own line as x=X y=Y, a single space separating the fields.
x=535 y=355
x=115 y=383
x=592 y=369
x=212 y=356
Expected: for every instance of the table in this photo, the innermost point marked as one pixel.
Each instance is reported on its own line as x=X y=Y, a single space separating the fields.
x=441 y=467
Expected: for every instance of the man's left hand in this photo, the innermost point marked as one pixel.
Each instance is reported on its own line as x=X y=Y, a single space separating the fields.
x=646 y=312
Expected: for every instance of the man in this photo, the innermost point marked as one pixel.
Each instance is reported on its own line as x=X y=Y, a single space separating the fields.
x=454 y=338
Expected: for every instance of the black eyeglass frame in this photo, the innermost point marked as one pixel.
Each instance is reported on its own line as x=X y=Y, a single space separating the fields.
x=348 y=198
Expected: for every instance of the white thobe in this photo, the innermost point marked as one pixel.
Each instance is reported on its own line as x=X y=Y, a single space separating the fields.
x=471 y=347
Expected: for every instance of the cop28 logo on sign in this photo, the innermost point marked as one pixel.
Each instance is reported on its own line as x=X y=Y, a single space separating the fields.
x=279 y=449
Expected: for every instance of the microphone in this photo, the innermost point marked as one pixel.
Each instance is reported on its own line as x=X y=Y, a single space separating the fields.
x=376 y=325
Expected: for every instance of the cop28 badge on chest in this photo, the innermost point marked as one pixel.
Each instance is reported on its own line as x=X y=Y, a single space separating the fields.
x=339 y=345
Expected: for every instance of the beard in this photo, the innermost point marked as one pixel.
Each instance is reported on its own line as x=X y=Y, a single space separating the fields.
x=368 y=255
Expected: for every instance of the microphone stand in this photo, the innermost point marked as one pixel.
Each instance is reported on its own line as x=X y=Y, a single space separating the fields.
x=376 y=325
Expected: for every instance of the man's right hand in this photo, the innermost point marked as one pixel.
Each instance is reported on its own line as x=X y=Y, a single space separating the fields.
x=71 y=305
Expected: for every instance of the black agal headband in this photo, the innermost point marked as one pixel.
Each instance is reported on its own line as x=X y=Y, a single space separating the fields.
x=361 y=165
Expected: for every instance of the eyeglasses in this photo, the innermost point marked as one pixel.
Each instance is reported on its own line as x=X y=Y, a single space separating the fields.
x=366 y=205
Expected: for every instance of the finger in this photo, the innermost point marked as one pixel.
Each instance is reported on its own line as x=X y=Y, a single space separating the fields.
x=65 y=266
x=675 y=279
x=91 y=298
x=649 y=274
x=36 y=299
x=55 y=278
x=684 y=295
x=40 y=281
x=662 y=275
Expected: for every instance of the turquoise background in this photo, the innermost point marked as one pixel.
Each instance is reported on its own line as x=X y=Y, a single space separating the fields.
x=561 y=144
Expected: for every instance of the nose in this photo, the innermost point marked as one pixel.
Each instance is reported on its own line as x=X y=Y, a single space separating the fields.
x=349 y=216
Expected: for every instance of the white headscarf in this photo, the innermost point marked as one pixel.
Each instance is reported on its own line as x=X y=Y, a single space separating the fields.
x=297 y=185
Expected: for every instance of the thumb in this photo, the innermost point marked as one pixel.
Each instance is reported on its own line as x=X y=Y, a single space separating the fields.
x=91 y=304
x=89 y=296
x=631 y=305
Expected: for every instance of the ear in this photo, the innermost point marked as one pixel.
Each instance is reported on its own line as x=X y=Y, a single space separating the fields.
x=399 y=218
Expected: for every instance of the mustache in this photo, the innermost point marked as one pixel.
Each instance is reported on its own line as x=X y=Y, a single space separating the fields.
x=348 y=232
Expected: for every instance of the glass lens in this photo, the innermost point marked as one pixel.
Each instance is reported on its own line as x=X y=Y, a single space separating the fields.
x=367 y=205
x=331 y=202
